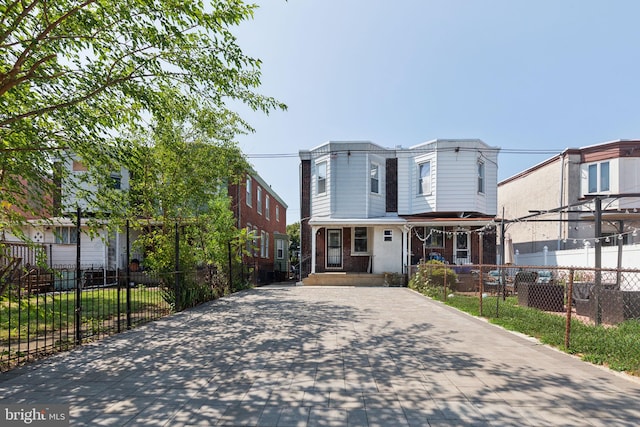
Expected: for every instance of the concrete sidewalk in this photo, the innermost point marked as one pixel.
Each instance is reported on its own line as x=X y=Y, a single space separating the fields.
x=325 y=356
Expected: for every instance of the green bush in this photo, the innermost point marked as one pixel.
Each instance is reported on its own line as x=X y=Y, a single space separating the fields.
x=430 y=279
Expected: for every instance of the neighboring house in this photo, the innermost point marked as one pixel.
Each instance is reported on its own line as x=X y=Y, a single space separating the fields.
x=369 y=209
x=567 y=179
x=56 y=229
x=260 y=211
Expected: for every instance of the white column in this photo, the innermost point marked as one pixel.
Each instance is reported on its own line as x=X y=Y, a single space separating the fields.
x=406 y=248
x=314 y=231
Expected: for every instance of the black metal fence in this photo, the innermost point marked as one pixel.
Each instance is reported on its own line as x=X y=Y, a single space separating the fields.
x=48 y=310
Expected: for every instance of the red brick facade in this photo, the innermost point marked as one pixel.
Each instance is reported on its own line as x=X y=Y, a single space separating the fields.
x=261 y=210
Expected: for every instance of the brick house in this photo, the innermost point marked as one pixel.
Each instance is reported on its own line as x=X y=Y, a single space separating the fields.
x=259 y=210
x=372 y=210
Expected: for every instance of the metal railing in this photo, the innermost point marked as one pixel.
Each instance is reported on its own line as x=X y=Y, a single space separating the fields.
x=49 y=310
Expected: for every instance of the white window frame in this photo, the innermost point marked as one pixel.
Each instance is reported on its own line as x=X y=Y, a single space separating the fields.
x=279 y=249
x=259 y=199
x=387 y=235
x=249 y=195
x=426 y=178
x=321 y=178
x=374 y=175
x=598 y=177
x=267 y=208
x=256 y=247
x=65 y=235
x=354 y=251
x=604 y=177
x=277 y=213
x=481 y=175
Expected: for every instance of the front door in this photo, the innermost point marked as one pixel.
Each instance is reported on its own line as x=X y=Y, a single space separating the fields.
x=462 y=253
x=334 y=248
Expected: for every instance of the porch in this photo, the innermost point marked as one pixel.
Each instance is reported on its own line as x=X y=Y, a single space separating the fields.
x=352 y=279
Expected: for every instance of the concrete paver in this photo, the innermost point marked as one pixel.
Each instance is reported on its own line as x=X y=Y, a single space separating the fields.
x=325 y=356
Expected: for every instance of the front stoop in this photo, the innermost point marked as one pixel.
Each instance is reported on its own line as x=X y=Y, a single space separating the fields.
x=344 y=279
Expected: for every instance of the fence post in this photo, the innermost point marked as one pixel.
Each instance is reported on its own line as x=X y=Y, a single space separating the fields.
x=481 y=288
x=78 y=305
x=128 y=285
x=177 y=268
x=444 y=283
x=567 y=334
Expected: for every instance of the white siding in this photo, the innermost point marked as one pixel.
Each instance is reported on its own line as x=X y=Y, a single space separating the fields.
x=350 y=188
x=457 y=179
x=628 y=181
x=454 y=178
x=376 y=204
x=320 y=203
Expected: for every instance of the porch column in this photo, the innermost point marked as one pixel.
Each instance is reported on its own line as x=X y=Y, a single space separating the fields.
x=406 y=250
x=314 y=233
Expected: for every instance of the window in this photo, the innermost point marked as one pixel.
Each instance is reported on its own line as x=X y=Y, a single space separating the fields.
x=434 y=237
x=250 y=241
x=604 y=176
x=480 y=177
x=598 y=181
x=280 y=249
x=424 y=178
x=256 y=236
x=116 y=182
x=263 y=243
x=360 y=240
x=79 y=166
x=259 y=199
x=278 y=213
x=249 y=195
x=66 y=235
x=388 y=235
x=266 y=245
x=267 y=208
x=593 y=178
x=375 y=178
x=321 y=178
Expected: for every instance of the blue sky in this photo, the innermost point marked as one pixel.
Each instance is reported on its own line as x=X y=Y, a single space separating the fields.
x=530 y=77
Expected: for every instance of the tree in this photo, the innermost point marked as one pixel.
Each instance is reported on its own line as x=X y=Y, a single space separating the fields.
x=293 y=231
x=76 y=76
x=181 y=168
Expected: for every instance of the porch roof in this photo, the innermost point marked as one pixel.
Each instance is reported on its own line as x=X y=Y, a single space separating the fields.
x=402 y=221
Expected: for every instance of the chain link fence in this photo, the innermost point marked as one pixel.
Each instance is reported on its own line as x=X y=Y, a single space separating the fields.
x=606 y=297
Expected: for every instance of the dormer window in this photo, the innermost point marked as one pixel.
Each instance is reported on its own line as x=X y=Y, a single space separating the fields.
x=424 y=178
x=375 y=178
x=321 y=180
x=598 y=179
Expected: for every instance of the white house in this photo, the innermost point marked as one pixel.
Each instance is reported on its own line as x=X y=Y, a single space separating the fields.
x=374 y=210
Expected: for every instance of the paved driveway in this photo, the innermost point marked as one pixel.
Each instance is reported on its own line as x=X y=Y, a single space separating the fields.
x=320 y=356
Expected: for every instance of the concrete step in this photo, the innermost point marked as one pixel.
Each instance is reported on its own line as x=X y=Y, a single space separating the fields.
x=344 y=279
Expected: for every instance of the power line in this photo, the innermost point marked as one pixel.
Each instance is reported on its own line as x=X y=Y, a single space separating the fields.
x=383 y=151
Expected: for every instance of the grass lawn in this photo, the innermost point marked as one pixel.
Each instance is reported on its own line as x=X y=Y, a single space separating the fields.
x=617 y=347
x=32 y=316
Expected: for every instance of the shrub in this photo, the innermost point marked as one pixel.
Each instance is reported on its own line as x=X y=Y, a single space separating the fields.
x=430 y=279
